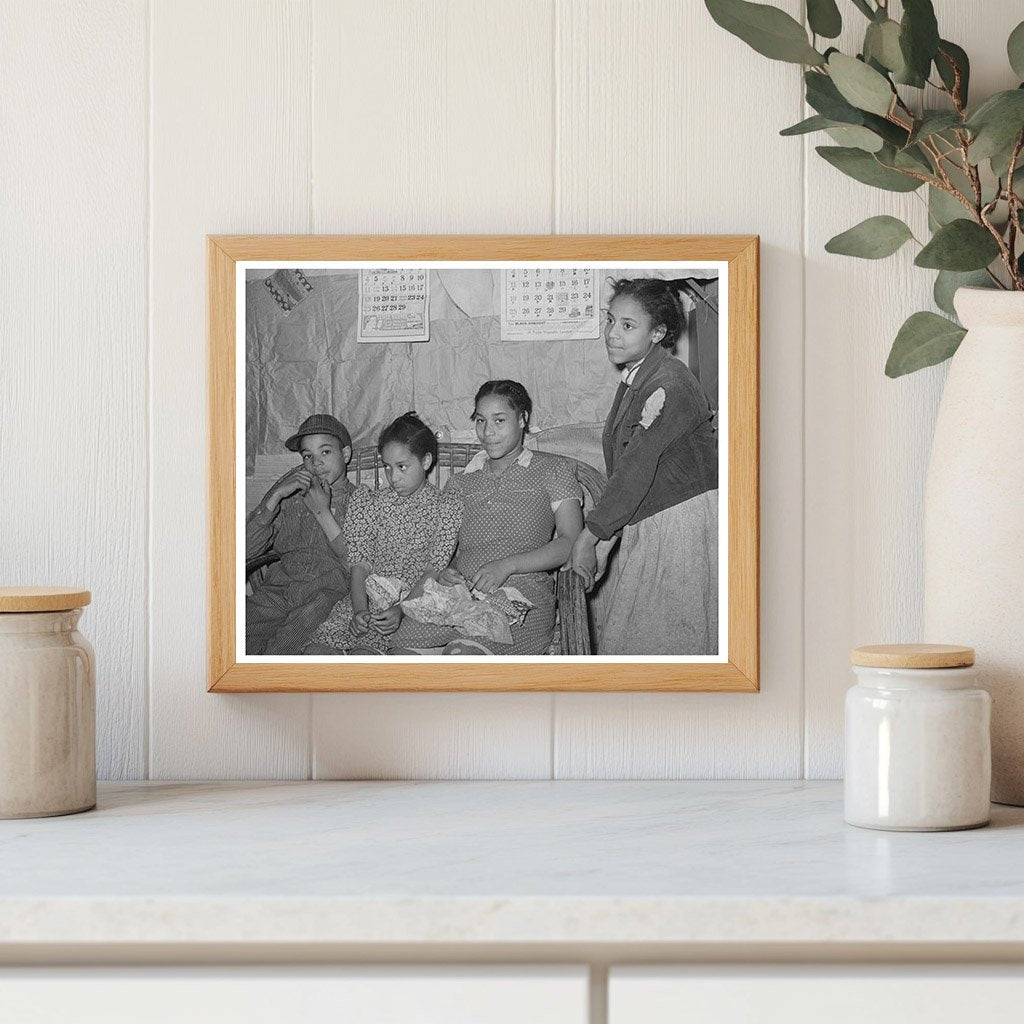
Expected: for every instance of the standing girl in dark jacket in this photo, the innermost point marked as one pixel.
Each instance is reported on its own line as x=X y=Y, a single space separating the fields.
x=661 y=452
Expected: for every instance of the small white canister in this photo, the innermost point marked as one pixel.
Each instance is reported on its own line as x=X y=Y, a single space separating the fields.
x=47 y=704
x=918 y=750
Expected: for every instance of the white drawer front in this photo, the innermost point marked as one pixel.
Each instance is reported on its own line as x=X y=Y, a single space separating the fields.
x=812 y=995
x=399 y=995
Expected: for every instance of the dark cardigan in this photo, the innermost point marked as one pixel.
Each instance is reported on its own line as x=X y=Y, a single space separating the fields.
x=663 y=461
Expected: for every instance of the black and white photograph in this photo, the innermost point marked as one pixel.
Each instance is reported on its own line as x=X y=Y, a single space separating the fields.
x=466 y=459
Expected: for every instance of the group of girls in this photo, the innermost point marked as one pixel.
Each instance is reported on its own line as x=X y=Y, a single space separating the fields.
x=515 y=514
x=511 y=517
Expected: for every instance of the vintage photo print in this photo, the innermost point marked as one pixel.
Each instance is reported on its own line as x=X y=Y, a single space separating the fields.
x=482 y=459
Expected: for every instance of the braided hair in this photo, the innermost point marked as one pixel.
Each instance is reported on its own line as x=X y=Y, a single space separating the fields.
x=513 y=392
x=411 y=431
x=659 y=301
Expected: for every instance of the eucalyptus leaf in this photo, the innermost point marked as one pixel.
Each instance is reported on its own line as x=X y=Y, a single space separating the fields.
x=1015 y=50
x=769 y=31
x=959 y=180
x=944 y=208
x=959 y=245
x=913 y=158
x=860 y=85
x=825 y=98
x=1000 y=161
x=934 y=122
x=892 y=133
x=882 y=43
x=919 y=38
x=872 y=239
x=817 y=123
x=866 y=168
x=925 y=339
x=864 y=7
x=856 y=136
x=824 y=18
x=948 y=281
x=996 y=124
x=949 y=55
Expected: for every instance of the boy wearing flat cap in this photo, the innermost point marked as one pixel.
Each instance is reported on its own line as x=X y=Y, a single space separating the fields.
x=300 y=520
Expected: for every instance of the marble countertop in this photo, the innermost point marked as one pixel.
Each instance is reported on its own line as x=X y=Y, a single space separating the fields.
x=500 y=862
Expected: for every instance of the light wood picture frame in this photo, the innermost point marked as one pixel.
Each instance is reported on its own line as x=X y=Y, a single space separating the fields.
x=735 y=668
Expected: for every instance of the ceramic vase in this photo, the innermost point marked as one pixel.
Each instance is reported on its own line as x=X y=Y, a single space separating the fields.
x=974 y=517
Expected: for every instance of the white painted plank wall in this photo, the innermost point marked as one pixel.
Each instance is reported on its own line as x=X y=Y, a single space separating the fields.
x=73 y=366
x=547 y=116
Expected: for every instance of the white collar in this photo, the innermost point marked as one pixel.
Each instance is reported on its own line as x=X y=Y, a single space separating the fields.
x=480 y=460
x=629 y=375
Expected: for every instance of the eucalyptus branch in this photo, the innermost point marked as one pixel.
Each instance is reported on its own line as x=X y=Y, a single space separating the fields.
x=1013 y=203
x=909 y=173
x=1004 y=252
x=954 y=93
x=901 y=104
x=961 y=242
x=970 y=169
x=932 y=150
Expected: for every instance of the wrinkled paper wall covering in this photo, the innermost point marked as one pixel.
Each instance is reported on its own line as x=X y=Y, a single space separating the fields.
x=309 y=361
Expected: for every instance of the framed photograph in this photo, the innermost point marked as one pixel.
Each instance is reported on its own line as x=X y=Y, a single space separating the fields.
x=546 y=478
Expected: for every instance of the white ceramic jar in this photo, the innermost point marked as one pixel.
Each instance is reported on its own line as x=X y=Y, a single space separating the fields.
x=918 y=748
x=47 y=704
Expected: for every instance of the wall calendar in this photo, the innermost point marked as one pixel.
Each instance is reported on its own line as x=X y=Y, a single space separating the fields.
x=549 y=304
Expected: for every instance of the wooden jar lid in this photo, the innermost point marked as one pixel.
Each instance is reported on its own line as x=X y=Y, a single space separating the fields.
x=913 y=656
x=42 y=599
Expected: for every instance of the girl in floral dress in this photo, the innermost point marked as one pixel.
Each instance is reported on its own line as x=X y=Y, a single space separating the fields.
x=405 y=531
x=521 y=514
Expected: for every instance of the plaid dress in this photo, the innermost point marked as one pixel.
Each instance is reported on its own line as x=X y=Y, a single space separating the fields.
x=505 y=514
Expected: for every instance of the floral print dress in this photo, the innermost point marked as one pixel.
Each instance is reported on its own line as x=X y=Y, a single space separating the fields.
x=395 y=536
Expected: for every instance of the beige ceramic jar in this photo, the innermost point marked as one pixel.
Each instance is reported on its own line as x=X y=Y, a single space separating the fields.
x=47 y=704
x=918 y=753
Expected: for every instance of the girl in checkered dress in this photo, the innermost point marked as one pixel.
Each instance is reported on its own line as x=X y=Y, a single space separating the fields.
x=521 y=514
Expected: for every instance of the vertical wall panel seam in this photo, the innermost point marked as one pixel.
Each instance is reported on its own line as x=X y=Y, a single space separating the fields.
x=310 y=213
x=556 y=62
x=310 y=153
x=556 y=55
x=804 y=230
x=147 y=661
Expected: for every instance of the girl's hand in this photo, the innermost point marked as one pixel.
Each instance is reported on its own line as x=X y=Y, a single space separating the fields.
x=317 y=497
x=450 y=576
x=388 y=620
x=491 y=576
x=603 y=552
x=584 y=558
x=360 y=622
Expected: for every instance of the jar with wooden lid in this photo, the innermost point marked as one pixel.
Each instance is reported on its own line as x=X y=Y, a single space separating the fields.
x=918 y=750
x=47 y=704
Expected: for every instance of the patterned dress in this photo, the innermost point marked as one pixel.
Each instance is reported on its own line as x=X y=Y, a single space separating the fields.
x=393 y=536
x=505 y=514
